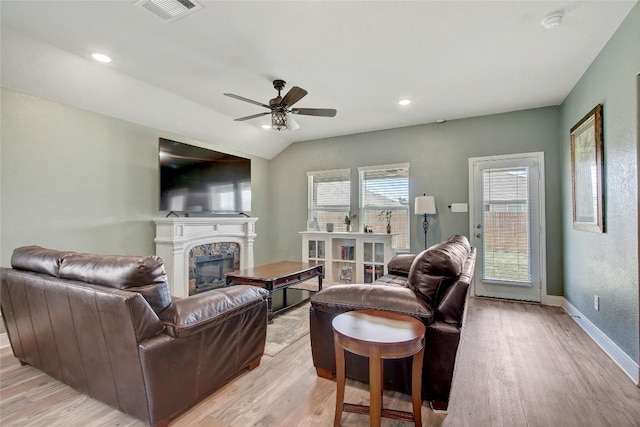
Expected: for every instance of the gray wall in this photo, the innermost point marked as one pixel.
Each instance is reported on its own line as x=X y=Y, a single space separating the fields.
x=438 y=154
x=72 y=179
x=607 y=264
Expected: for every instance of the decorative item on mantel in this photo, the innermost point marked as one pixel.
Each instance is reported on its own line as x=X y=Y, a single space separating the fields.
x=348 y=219
x=386 y=215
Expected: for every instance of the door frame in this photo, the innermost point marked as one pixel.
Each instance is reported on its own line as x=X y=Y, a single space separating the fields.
x=539 y=156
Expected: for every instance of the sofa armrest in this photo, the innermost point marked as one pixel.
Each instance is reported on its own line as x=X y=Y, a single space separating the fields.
x=452 y=304
x=189 y=316
x=378 y=297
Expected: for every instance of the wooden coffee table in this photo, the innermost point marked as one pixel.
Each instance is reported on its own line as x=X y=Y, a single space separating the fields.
x=378 y=335
x=277 y=276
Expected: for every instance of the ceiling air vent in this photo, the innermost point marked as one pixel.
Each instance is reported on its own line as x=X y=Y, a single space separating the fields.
x=169 y=10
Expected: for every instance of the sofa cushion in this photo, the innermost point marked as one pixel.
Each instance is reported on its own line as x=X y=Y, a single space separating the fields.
x=373 y=296
x=400 y=264
x=461 y=240
x=436 y=268
x=392 y=280
x=145 y=275
x=38 y=259
x=190 y=316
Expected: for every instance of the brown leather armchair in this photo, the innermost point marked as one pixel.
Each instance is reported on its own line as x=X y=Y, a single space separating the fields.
x=106 y=326
x=431 y=286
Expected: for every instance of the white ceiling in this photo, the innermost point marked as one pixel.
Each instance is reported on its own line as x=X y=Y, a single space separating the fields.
x=454 y=59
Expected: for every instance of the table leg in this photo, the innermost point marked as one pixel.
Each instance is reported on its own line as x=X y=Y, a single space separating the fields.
x=270 y=305
x=375 y=386
x=320 y=282
x=416 y=386
x=340 y=381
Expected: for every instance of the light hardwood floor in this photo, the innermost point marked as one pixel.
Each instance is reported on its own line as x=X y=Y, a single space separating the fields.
x=519 y=365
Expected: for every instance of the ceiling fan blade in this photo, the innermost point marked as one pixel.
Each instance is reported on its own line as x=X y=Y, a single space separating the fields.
x=321 y=112
x=242 y=98
x=292 y=124
x=242 y=119
x=294 y=95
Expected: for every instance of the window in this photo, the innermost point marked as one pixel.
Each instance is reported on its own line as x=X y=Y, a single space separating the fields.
x=386 y=189
x=506 y=241
x=329 y=198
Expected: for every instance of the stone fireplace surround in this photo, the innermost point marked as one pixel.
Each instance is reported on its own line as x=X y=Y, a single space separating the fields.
x=176 y=237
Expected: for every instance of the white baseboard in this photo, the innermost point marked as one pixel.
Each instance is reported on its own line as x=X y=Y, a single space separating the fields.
x=622 y=359
x=553 y=300
x=4 y=340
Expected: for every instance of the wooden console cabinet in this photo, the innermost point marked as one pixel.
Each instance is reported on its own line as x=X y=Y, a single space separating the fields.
x=349 y=257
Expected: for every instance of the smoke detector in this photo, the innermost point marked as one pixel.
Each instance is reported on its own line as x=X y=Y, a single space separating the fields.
x=169 y=10
x=552 y=21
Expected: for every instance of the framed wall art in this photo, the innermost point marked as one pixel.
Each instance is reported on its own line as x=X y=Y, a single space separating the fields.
x=587 y=198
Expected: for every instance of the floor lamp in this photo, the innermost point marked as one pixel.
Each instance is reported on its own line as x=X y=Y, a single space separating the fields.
x=425 y=205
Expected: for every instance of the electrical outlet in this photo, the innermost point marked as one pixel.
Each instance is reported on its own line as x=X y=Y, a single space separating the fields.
x=596 y=302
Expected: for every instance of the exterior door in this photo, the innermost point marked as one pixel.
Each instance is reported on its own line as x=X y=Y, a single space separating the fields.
x=507 y=225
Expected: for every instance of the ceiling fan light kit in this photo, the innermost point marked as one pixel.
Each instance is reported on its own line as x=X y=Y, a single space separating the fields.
x=280 y=107
x=278 y=120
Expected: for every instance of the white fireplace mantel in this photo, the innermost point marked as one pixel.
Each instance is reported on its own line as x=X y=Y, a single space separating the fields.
x=175 y=237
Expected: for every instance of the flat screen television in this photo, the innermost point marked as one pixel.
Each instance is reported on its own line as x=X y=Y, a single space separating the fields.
x=194 y=179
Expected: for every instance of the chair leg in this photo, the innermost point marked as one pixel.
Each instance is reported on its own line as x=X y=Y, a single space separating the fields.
x=340 y=384
x=375 y=386
x=439 y=405
x=324 y=373
x=255 y=363
x=416 y=386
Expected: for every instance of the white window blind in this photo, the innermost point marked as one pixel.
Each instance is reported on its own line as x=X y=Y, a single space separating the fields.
x=386 y=189
x=329 y=198
x=506 y=237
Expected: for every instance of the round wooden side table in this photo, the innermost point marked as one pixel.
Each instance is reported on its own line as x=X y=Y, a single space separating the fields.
x=378 y=335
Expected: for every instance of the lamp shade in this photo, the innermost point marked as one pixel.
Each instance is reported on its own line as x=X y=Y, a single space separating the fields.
x=292 y=124
x=425 y=205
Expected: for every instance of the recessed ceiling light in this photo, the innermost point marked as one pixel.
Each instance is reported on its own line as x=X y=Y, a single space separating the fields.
x=552 y=21
x=404 y=102
x=100 y=57
x=266 y=126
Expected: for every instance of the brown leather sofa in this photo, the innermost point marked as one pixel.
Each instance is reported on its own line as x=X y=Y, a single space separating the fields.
x=432 y=287
x=106 y=326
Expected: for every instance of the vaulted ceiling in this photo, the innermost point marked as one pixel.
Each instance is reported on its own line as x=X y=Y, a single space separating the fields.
x=453 y=59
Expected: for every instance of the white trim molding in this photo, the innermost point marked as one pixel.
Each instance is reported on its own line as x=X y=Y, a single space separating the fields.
x=530 y=158
x=622 y=359
x=176 y=236
x=553 y=300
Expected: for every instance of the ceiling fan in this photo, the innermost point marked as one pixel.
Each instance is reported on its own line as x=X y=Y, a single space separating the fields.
x=280 y=108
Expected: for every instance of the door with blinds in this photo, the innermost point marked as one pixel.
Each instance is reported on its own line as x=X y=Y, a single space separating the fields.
x=507 y=225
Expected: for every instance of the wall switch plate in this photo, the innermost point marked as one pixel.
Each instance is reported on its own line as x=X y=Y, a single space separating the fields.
x=596 y=302
x=459 y=207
